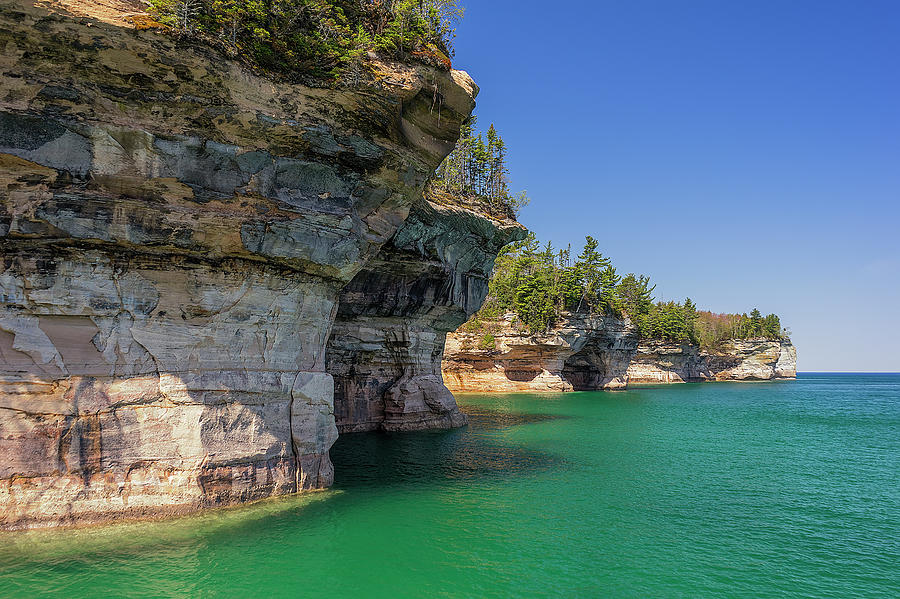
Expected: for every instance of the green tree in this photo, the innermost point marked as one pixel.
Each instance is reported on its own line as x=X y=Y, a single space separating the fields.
x=540 y=284
x=635 y=296
x=690 y=319
x=325 y=38
x=609 y=281
x=475 y=172
x=756 y=324
x=772 y=327
x=589 y=268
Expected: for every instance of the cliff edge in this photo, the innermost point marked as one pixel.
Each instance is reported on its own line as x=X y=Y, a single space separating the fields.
x=178 y=236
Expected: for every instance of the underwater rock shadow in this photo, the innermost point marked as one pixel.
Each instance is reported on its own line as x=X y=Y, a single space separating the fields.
x=485 y=419
x=379 y=459
x=362 y=460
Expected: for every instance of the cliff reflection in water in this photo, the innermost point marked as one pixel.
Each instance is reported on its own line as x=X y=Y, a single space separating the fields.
x=429 y=457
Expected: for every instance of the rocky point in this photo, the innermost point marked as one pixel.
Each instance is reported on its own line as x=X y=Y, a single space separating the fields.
x=584 y=353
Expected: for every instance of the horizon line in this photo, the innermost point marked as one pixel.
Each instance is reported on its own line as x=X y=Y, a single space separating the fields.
x=848 y=372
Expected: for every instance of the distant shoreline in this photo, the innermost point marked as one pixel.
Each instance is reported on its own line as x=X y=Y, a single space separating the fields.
x=799 y=372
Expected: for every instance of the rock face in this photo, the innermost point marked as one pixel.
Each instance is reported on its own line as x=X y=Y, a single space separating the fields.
x=388 y=339
x=665 y=362
x=599 y=353
x=753 y=359
x=737 y=360
x=584 y=353
x=175 y=235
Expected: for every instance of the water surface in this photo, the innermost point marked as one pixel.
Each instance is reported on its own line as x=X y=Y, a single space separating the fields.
x=783 y=489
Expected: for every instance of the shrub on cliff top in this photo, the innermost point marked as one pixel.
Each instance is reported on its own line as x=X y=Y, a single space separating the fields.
x=488 y=342
x=323 y=38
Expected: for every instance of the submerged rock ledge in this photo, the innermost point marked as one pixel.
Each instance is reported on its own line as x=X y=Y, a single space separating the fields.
x=177 y=237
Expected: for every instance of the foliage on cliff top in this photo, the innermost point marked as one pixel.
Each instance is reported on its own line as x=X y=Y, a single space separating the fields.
x=320 y=38
x=475 y=174
x=540 y=284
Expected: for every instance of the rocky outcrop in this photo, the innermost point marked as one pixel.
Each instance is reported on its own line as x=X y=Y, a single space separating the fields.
x=584 y=353
x=737 y=360
x=666 y=362
x=753 y=359
x=598 y=353
x=387 y=342
x=175 y=235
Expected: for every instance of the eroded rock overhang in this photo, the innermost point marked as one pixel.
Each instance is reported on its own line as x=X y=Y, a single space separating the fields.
x=387 y=343
x=584 y=352
x=175 y=232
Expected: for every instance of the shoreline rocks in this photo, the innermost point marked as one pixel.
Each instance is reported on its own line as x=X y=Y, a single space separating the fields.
x=596 y=353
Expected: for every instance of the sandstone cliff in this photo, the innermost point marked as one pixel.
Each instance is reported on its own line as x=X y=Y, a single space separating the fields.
x=593 y=353
x=177 y=236
x=737 y=360
x=583 y=353
x=387 y=342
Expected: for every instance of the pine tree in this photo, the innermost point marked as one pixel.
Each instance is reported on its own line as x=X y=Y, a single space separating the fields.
x=609 y=280
x=589 y=267
x=476 y=171
x=756 y=323
x=635 y=296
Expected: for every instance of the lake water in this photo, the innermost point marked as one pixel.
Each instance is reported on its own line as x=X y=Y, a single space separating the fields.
x=782 y=489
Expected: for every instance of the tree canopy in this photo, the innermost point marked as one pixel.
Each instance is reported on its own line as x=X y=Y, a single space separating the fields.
x=475 y=172
x=539 y=284
x=324 y=38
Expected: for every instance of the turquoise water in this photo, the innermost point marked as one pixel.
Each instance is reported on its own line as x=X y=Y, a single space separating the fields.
x=788 y=489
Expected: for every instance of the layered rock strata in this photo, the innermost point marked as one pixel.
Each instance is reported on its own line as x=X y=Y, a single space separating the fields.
x=599 y=353
x=737 y=360
x=387 y=342
x=666 y=362
x=175 y=233
x=584 y=353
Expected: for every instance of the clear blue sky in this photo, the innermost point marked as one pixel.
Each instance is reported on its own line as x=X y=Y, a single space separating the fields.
x=744 y=154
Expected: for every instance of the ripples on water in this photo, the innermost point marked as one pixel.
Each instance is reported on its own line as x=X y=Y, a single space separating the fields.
x=715 y=490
